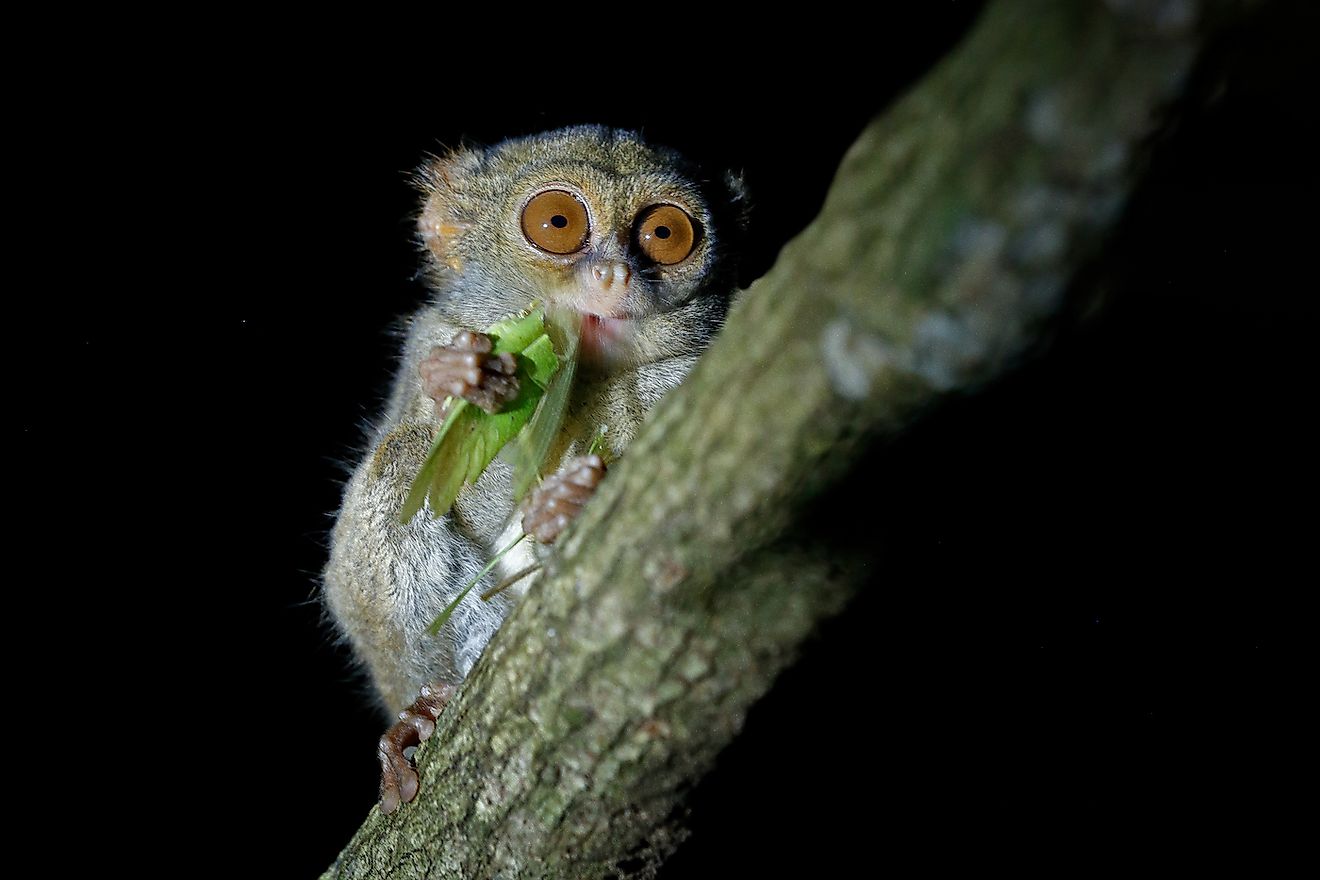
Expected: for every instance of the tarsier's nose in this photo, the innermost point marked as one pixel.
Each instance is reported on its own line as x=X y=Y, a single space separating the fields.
x=610 y=274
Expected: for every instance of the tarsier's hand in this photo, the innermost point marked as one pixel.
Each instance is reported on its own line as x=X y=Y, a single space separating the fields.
x=465 y=368
x=560 y=498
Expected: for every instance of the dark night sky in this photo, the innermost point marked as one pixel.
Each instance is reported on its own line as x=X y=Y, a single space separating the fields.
x=1081 y=627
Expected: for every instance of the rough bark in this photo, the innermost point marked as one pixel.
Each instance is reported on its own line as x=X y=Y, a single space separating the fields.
x=952 y=229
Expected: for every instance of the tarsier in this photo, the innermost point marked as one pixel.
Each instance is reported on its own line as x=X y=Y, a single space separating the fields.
x=594 y=220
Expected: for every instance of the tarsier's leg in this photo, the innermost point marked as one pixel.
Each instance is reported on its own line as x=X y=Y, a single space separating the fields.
x=548 y=511
x=465 y=369
x=398 y=775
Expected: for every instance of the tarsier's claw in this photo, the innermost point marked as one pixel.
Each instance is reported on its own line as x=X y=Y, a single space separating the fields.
x=560 y=498
x=466 y=369
x=398 y=776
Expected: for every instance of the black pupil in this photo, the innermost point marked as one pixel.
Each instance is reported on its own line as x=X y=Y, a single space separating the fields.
x=662 y=232
x=559 y=221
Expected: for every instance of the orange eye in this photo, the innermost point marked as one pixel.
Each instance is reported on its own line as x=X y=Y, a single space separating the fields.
x=666 y=233
x=556 y=221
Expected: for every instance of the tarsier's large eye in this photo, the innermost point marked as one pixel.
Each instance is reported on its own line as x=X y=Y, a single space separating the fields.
x=556 y=221
x=666 y=233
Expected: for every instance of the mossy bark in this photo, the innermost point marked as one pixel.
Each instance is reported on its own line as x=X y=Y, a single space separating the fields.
x=954 y=226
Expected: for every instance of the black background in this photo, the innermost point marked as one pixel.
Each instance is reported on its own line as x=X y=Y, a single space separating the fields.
x=1080 y=631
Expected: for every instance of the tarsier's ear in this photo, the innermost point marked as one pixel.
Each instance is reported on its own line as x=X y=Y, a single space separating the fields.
x=738 y=201
x=737 y=211
x=442 y=218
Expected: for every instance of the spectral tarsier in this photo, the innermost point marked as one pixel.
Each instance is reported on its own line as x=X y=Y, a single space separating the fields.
x=588 y=219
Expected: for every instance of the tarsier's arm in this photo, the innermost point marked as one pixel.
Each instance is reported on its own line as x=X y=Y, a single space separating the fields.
x=386 y=580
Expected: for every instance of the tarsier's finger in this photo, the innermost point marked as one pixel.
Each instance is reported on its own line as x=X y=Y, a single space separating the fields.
x=445 y=379
x=432 y=701
x=457 y=357
x=441 y=364
x=471 y=340
x=493 y=392
x=575 y=487
x=441 y=385
x=398 y=779
x=504 y=364
x=586 y=477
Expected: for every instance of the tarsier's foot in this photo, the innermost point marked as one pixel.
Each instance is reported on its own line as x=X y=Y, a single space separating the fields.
x=465 y=368
x=398 y=775
x=559 y=499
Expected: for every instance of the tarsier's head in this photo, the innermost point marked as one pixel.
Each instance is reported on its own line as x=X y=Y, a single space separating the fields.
x=591 y=220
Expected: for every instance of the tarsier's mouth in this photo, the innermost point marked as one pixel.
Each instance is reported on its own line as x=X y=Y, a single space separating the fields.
x=607 y=330
x=603 y=336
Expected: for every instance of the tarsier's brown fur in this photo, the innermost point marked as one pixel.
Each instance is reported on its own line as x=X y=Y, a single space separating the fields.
x=386 y=581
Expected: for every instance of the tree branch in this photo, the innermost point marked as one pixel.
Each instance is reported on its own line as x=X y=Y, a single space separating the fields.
x=954 y=225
